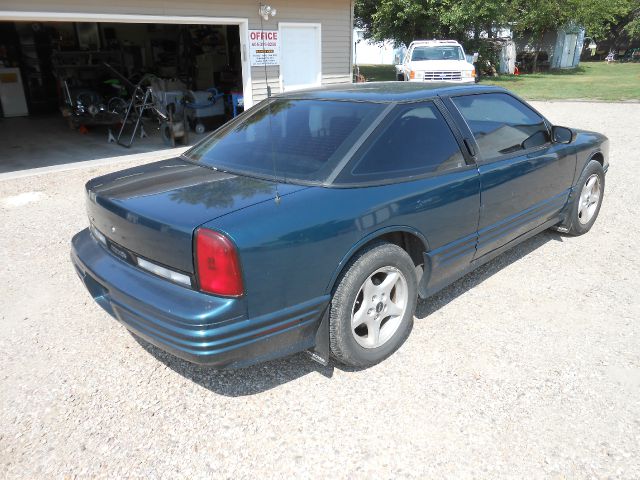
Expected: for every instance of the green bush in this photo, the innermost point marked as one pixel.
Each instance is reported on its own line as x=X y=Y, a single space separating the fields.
x=488 y=54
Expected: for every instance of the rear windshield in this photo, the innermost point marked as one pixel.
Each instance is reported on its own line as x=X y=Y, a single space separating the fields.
x=287 y=139
x=437 y=53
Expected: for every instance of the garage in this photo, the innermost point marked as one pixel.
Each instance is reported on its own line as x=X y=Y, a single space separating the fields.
x=83 y=81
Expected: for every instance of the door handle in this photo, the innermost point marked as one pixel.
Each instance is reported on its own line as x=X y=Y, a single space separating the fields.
x=470 y=149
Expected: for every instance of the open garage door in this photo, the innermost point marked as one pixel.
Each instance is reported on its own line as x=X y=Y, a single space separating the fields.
x=69 y=82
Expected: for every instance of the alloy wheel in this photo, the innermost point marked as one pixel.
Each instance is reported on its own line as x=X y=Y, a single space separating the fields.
x=589 y=199
x=379 y=307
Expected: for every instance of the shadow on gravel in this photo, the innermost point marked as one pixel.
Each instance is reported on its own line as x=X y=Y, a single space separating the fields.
x=453 y=291
x=263 y=377
x=245 y=381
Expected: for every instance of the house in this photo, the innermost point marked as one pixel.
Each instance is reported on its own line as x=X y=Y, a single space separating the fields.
x=312 y=40
x=57 y=54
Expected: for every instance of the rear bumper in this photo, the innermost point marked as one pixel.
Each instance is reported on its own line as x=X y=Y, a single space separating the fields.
x=194 y=326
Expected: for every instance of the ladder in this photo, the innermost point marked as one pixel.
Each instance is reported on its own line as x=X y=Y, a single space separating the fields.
x=137 y=108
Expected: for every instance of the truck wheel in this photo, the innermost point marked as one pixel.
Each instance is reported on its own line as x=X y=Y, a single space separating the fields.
x=373 y=306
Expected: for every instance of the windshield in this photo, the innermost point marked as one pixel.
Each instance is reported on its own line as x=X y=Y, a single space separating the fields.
x=437 y=53
x=287 y=139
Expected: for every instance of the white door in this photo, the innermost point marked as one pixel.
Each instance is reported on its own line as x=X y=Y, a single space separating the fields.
x=300 y=63
x=569 y=50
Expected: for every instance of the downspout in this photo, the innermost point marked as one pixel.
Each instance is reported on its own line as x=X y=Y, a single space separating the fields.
x=352 y=15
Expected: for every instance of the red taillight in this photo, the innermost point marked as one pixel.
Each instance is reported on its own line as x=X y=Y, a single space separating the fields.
x=217 y=264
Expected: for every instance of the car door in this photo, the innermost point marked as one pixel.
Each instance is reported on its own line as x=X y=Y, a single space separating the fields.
x=417 y=152
x=525 y=178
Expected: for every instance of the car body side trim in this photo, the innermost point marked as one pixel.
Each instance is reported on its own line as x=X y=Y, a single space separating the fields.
x=429 y=288
x=454 y=250
x=506 y=226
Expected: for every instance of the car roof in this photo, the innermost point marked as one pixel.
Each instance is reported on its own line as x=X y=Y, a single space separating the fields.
x=386 y=92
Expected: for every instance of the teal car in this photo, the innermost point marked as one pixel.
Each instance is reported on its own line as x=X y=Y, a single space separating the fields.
x=316 y=219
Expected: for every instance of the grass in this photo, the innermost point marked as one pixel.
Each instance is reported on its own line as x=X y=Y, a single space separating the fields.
x=590 y=81
x=378 y=73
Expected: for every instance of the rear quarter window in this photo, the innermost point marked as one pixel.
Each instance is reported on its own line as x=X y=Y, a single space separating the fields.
x=415 y=140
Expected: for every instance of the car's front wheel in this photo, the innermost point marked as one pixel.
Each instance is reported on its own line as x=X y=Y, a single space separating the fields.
x=587 y=202
x=373 y=305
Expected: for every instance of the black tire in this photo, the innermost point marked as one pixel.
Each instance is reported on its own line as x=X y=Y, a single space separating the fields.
x=400 y=77
x=344 y=346
x=573 y=223
x=118 y=105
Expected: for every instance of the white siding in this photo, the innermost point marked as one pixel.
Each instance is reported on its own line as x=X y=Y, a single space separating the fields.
x=335 y=16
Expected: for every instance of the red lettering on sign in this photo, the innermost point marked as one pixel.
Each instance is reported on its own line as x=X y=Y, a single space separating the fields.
x=264 y=35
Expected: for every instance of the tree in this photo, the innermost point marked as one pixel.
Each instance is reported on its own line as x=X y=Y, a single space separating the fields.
x=406 y=20
x=401 y=20
x=612 y=20
x=476 y=16
x=633 y=27
x=363 y=13
x=602 y=19
x=534 y=19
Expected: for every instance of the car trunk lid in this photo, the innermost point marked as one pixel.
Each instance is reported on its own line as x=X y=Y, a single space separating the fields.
x=152 y=210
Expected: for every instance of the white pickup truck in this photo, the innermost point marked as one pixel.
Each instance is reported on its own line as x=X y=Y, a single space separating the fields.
x=436 y=61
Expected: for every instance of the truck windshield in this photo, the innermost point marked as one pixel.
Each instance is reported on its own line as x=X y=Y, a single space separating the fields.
x=288 y=140
x=437 y=53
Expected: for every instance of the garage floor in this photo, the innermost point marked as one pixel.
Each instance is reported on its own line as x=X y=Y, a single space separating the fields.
x=526 y=368
x=39 y=141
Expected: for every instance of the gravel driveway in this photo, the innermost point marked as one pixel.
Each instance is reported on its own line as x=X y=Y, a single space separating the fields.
x=526 y=368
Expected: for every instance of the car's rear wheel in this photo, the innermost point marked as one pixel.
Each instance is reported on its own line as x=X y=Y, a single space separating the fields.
x=373 y=305
x=588 y=200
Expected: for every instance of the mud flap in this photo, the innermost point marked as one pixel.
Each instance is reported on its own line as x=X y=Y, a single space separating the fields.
x=565 y=214
x=322 y=349
x=423 y=280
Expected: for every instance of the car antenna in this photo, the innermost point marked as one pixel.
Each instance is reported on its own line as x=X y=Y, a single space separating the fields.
x=263 y=13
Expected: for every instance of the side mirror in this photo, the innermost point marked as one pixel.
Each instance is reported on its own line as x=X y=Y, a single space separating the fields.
x=562 y=134
x=475 y=57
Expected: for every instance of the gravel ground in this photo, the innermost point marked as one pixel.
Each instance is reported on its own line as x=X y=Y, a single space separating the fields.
x=526 y=368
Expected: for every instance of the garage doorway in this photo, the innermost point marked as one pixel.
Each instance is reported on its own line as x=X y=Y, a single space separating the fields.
x=300 y=56
x=60 y=58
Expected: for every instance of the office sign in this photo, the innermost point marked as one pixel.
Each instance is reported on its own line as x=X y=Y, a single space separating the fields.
x=264 y=47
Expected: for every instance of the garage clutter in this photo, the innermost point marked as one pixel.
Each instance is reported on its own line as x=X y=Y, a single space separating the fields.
x=128 y=77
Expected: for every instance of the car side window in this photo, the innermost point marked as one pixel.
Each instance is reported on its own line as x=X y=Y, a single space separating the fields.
x=501 y=124
x=416 y=141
